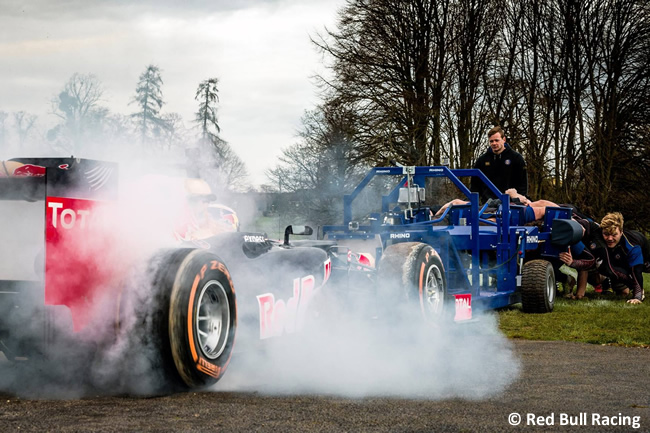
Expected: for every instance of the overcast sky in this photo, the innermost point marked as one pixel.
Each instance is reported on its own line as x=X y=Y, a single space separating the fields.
x=259 y=50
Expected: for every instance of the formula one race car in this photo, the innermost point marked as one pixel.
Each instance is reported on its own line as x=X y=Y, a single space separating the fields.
x=80 y=265
x=467 y=259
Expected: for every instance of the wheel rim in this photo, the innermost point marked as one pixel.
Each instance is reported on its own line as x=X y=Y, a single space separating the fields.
x=433 y=291
x=212 y=322
x=550 y=287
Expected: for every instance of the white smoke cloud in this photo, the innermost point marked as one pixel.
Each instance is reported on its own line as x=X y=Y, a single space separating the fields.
x=344 y=352
x=359 y=357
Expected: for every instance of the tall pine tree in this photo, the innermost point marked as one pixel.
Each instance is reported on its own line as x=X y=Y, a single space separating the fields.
x=148 y=96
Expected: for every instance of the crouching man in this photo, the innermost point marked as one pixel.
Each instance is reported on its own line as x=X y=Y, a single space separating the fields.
x=621 y=255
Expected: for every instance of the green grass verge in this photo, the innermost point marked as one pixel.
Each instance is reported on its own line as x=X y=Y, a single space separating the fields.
x=597 y=319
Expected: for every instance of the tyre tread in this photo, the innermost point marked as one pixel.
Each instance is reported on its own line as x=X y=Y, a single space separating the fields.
x=533 y=288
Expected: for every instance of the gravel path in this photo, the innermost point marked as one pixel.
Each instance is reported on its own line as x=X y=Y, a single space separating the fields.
x=594 y=385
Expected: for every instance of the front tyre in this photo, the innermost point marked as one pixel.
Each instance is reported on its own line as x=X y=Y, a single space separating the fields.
x=202 y=318
x=538 y=287
x=411 y=274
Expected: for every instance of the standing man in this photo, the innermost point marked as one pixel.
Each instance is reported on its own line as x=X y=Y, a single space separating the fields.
x=504 y=167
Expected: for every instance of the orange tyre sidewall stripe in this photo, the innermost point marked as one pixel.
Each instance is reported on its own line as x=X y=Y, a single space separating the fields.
x=190 y=325
x=421 y=287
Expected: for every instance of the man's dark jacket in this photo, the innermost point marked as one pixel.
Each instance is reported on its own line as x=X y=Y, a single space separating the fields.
x=505 y=170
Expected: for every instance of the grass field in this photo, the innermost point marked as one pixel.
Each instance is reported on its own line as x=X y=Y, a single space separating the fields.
x=597 y=318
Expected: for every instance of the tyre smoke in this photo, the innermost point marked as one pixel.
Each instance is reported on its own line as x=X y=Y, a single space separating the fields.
x=354 y=356
x=344 y=348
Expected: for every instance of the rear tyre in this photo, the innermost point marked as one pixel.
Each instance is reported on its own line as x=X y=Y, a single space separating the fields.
x=202 y=318
x=538 y=287
x=178 y=323
x=411 y=276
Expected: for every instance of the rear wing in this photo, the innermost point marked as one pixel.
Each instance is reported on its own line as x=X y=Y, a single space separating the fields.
x=46 y=206
x=37 y=178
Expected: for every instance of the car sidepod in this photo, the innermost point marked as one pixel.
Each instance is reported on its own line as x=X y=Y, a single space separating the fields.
x=276 y=285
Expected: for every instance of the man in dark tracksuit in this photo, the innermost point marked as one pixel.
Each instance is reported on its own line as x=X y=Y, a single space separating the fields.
x=621 y=255
x=504 y=167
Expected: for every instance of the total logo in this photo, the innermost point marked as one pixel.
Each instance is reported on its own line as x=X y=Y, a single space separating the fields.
x=67 y=218
x=278 y=317
x=463 y=307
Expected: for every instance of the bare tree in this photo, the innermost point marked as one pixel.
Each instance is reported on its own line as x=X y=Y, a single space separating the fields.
x=231 y=170
x=390 y=65
x=568 y=79
x=118 y=134
x=3 y=130
x=569 y=125
x=538 y=92
x=224 y=170
x=318 y=170
x=616 y=36
x=23 y=122
x=77 y=106
x=474 y=29
x=174 y=134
